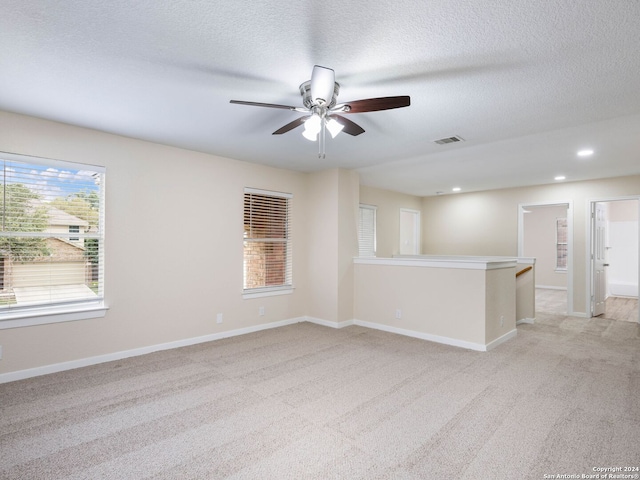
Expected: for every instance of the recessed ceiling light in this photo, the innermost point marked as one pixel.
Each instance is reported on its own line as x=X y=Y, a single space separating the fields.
x=585 y=153
x=560 y=177
x=456 y=189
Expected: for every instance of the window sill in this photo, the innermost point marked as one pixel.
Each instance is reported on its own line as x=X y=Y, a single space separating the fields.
x=266 y=292
x=28 y=318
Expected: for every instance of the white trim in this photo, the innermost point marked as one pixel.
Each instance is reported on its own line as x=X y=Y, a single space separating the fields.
x=527 y=260
x=110 y=357
x=507 y=336
x=462 y=262
x=528 y=321
x=423 y=336
x=327 y=323
x=29 y=318
x=271 y=193
x=246 y=294
x=51 y=162
x=551 y=287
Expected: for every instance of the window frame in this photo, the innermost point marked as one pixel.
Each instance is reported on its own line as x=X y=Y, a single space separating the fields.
x=287 y=286
x=70 y=311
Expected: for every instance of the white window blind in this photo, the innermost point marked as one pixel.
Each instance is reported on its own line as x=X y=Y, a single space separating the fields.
x=267 y=240
x=561 y=244
x=367 y=231
x=51 y=234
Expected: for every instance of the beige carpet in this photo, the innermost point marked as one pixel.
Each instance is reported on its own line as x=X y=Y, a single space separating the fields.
x=306 y=401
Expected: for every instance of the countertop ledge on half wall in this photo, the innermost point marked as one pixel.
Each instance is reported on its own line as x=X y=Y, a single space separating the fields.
x=442 y=261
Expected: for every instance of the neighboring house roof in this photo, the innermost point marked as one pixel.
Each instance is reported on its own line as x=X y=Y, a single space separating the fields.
x=59 y=217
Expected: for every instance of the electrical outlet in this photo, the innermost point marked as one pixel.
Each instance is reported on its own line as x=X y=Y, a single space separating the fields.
x=219 y=318
x=398 y=313
x=502 y=320
x=261 y=311
x=0 y=352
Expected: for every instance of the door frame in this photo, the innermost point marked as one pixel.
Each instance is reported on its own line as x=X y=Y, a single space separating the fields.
x=590 y=223
x=569 y=203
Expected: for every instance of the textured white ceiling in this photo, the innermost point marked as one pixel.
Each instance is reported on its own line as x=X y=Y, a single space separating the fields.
x=526 y=84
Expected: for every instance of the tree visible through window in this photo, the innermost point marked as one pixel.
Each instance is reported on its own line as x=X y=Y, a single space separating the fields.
x=51 y=234
x=267 y=240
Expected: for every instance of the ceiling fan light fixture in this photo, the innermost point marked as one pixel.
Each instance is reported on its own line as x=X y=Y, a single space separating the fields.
x=334 y=127
x=312 y=127
x=319 y=97
x=309 y=135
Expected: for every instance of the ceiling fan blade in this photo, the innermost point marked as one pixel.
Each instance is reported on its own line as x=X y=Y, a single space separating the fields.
x=374 y=104
x=258 y=104
x=291 y=125
x=350 y=127
x=322 y=84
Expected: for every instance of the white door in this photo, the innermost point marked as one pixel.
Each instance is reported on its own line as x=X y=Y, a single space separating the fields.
x=598 y=255
x=409 y=232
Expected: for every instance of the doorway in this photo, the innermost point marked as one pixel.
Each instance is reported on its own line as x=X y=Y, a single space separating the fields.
x=614 y=252
x=545 y=232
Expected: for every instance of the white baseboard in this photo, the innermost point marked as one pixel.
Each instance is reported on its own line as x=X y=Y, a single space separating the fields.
x=110 y=357
x=551 y=287
x=507 y=336
x=423 y=336
x=529 y=321
x=327 y=323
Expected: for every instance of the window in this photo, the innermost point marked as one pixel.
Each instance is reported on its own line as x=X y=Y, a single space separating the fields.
x=561 y=244
x=74 y=229
x=367 y=231
x=267 y=242
x=51 y=237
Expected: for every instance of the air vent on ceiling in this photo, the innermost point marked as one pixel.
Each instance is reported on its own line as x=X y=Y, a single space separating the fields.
x=444 y=141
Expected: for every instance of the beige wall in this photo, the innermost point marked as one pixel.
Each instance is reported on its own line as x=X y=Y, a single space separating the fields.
x=486 y=223
x=500 y=303
x=540 y=243
x=458 y=304
x=429 y=298
x=161 y=284
x=348 y=201
x=388 y=216
x=333 y=243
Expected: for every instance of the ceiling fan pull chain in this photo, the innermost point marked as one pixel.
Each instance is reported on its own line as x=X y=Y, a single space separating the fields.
x=321 y=151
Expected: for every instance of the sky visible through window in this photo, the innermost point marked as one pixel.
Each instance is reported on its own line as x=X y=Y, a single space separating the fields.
x=50 y=182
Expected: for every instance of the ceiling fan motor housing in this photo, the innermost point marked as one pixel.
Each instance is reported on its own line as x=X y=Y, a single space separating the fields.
x=307 y=101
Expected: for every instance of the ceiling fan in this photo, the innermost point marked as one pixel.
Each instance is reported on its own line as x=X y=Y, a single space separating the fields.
x=319 y=96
